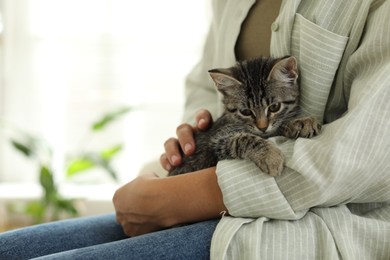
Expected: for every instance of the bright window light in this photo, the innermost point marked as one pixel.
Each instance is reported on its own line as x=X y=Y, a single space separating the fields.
x=69 y=61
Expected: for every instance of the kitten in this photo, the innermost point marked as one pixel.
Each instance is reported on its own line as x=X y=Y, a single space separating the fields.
x=261 y=100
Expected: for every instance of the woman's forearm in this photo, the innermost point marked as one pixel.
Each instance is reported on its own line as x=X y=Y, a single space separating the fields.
x=149 y=203
x=195 y=196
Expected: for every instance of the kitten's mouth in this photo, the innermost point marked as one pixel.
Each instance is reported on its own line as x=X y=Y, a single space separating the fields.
x=262 y=132
x=265 y=133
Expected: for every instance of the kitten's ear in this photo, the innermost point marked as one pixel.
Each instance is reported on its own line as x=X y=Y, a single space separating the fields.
x=223 y=79
x=285 y=70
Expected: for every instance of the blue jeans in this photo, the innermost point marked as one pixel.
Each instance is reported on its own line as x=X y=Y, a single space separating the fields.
x=100 y=237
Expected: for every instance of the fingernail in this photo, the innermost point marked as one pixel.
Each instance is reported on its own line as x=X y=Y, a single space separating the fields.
x=168 y=167
x=202 y=122
x=187 y=148
x=175 y=159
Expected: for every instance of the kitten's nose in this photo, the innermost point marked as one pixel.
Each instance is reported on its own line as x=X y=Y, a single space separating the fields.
x=262 y=124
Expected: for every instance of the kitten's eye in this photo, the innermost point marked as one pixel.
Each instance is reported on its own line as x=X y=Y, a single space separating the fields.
x=274 y=107
x=246 y=112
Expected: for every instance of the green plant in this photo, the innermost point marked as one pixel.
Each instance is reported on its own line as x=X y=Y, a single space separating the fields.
x=52 y=204
x=94 y=159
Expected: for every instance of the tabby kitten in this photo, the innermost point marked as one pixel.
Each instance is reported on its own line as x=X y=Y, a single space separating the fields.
x=261 y=100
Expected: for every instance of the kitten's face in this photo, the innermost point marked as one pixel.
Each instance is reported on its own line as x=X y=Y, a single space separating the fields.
x=262 y=93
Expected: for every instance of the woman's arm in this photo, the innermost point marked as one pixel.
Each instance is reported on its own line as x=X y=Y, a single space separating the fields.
x=148 y=203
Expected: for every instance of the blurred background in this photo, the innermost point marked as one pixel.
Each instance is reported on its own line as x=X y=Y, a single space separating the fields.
x=68 y=65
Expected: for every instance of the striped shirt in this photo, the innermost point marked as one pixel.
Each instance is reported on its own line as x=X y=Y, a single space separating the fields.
x=333 y=198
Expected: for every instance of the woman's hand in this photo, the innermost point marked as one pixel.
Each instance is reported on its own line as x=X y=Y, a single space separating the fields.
x=141 y=206
x=185 y=140
x=149 y=203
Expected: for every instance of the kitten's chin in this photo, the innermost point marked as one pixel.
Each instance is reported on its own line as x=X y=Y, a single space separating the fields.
x=268 y=133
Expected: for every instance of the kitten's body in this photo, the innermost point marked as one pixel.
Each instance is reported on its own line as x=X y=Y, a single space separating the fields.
x=261 y=99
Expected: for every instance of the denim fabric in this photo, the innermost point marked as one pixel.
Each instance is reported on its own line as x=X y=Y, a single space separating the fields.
x=100 y=237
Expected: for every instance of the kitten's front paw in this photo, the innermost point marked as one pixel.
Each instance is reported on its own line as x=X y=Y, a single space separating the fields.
x=271 y=161
x=306 y=127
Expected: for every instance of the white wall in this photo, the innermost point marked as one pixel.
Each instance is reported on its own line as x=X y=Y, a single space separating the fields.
x=68 y=61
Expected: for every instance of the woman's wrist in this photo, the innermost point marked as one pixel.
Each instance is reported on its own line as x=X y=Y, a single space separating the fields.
x=191 y=197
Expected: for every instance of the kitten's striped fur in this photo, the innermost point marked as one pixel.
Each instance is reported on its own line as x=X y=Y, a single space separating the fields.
x=261 y=99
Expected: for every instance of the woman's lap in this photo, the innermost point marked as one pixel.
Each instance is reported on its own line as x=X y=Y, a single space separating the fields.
x=101 y=237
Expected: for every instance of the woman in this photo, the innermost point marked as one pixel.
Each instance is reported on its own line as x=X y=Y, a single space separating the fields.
x=332 y=200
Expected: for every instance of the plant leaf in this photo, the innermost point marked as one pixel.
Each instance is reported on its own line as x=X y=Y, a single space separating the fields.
x=36 y=210
x=109 y=117
x=79 y=165
x=23 y=148
x=108 y=153
x=92 y=160
x=67 y=206
x=47 y=182
x=32 y=146
x=106 y=166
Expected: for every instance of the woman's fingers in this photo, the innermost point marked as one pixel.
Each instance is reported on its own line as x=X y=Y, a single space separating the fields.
x=203 y=119
x=172 y=155
x=185 y=135
x=184 y=143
